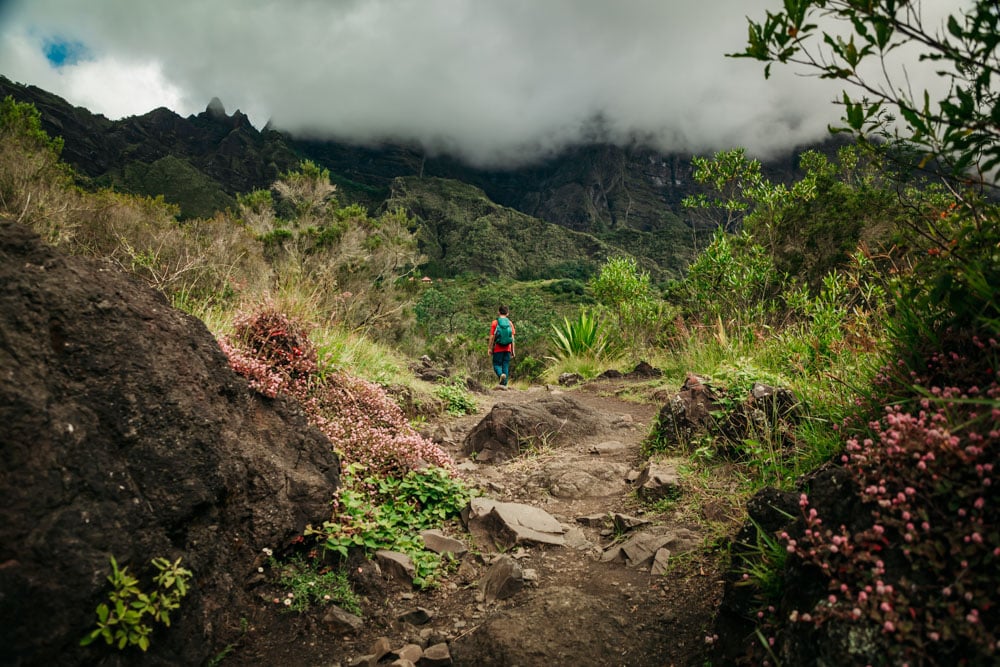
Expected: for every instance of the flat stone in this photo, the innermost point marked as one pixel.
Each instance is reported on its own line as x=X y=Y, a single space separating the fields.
x=576 y=539
x=437 y=655
x=343 y=622
x=660 y=562
x=589 y=478
x=396 y=565
x=440 y=543
x=506 y=525
x=608 y=447
x=592 y=520
x=640 y=549
x=625 y=523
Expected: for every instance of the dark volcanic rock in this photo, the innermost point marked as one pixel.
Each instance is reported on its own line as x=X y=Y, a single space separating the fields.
x=510 y=429
x=125 y=433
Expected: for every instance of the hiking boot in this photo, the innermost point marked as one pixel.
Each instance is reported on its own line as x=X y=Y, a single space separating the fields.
x=503 y=379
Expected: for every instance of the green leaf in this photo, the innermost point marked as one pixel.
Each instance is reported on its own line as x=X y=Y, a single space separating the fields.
x=102 y=612
x=89 y=639
x=954 y=28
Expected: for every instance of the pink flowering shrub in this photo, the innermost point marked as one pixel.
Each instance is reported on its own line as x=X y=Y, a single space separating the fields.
x=924 y=569
x=274 y=354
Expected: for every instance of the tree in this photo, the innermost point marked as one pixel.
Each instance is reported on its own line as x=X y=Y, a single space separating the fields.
x=817 y=222
x=35 y=187
x=626 y=292
x=350 y=259
x=953 y=286
x=960 y=130
x=439 y=311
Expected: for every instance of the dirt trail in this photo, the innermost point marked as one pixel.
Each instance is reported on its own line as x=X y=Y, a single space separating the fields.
x=574 y=609
x=583 y=611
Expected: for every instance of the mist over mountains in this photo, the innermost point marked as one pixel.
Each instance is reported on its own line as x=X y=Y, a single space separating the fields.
x=498 y=84
x=627 y=197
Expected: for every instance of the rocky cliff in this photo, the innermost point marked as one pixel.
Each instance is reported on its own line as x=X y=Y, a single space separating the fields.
x=125 y=434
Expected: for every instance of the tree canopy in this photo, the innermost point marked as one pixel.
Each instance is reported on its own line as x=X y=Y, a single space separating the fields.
x=958 y=130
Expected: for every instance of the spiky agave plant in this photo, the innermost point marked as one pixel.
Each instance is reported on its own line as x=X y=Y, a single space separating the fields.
x=580 y=337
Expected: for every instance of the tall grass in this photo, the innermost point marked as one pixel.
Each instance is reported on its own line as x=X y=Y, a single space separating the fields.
x=341 y=349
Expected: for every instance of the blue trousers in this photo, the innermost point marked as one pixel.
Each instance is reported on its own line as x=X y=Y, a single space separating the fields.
x=501 y=365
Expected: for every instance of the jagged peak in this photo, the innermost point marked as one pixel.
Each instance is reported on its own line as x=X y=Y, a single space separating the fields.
x=216 y=109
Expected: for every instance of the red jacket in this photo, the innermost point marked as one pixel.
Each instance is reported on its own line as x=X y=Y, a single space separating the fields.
x=493 y=331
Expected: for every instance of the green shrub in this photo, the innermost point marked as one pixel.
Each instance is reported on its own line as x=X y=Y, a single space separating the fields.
x=125 y=619
x=458 y=400
x=373 y=513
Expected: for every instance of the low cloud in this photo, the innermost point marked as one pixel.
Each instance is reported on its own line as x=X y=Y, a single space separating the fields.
x=496 y=83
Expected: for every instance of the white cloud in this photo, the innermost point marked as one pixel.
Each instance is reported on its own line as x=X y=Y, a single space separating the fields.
x=494 y=80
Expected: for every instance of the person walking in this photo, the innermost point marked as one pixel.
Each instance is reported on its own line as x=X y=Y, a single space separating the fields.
x=502 y=345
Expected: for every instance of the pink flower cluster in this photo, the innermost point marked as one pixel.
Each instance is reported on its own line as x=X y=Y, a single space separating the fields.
x=365 y=425
x=925 y=568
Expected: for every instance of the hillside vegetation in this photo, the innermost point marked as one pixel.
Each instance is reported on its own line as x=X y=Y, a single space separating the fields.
x=463 y=232
x=867 y=292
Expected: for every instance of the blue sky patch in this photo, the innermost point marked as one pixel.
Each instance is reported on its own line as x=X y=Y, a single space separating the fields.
x=61 y=52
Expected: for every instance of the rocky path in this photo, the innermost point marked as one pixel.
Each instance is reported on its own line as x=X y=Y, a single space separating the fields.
x=577 y=608
x=530 y=602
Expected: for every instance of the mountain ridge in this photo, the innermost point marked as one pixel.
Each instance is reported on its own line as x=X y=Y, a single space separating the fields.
x=628 y=198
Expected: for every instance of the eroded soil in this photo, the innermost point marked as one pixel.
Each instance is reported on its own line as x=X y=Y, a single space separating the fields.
x=574 y=609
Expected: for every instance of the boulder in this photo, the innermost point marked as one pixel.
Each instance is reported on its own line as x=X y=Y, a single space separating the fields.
x=409 y=653
x=418 y=616
x=339 y=621
x=396 y=565
x=510 y=429
x=437 y=655
x=503 y=579
x=126 y=434
x=658 y=480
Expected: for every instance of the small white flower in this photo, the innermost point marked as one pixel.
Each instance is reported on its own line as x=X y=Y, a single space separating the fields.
x=267 y=552
x=288 y=602
x=260 y=569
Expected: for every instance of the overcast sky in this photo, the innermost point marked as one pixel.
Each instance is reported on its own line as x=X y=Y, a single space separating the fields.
x=495 y=81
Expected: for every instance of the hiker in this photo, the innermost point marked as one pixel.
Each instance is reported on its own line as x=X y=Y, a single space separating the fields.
x=502 y=345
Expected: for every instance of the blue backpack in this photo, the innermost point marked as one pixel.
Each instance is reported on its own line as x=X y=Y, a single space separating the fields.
x=504 y=334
